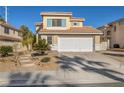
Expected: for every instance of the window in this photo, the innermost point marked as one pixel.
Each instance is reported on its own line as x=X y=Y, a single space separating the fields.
x=49 y=22
x=121 y=23
x=108 y=32
x=19 y=34
x=75 y=24
x=115 y=28
x=6 y=30
x=49 y=39
x=56 y=22
x=13 y=31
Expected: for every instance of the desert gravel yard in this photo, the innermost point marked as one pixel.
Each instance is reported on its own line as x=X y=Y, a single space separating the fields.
x=7 y=67
x=73 y=68
x=7 y=64
x=28 y=63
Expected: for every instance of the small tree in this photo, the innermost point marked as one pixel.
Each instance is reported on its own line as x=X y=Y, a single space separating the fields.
x=5 y=50
x=27 y=37
x=42 y=46
x=2 y=19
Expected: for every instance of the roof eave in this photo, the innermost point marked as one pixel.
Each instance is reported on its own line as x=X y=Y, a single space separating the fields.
x=9 y=26
x=61 y=33
x=55 y=13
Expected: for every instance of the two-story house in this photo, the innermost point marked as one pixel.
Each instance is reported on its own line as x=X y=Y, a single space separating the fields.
x=113 y=33
x=10 y=35
x=66 y=33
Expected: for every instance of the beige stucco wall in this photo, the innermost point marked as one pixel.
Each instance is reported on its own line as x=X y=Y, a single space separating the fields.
x=97 y=39
x=1 y=30
x=117 y=36
x=68 y=23
x=121 y=36
x=55 y=39
x=8 y=43
x=97 y=43
x=11 y=43
x=114 y=35
x=11 y=34
x=16 y=45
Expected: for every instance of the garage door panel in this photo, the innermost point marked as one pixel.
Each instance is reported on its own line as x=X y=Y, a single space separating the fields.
x=65 y=44
x=75 y=44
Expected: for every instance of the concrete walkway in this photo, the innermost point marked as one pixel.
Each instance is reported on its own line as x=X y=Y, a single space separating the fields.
x=26 y=63
x=75 y=69
x=113 y=52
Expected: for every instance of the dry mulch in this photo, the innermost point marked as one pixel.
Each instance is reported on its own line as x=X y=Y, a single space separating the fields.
x=7 y=64
x=52 y=65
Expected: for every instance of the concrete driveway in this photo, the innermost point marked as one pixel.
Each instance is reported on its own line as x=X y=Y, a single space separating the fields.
x=94 y=59
x=75 y=69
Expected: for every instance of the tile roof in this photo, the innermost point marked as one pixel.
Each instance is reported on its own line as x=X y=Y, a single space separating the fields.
x=39 y=23
x=9 y=38
x=111 y=23
x=56 y=13
x=9 y=26
x=73 y=30
x=77 y=19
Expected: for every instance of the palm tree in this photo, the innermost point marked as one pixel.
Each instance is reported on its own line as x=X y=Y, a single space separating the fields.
x=42 y=46
x=34 y=39
x=2 y=19
x=27 y=37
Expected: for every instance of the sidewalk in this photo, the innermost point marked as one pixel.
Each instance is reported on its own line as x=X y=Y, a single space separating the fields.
x=54 y=78
x=113 y=53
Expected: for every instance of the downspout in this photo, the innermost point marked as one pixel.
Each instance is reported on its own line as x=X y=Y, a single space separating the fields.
x=94 y=43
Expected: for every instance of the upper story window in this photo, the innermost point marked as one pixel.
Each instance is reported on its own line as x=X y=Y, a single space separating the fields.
x=13 y=31
x=121 y=23
x=75 y=24
x=20 y=34
x=6 y=30
x=108 y=32
x=56 y=22
x=114 y=28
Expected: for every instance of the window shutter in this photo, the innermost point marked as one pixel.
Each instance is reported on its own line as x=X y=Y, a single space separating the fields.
x=63 y=22
x=49 y=22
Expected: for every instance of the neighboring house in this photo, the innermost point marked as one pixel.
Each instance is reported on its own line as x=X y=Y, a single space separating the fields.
x=113 y=33
x=10 y=36
x=67 y=34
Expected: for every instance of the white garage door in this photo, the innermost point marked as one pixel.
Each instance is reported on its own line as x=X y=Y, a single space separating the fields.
x=75 y=44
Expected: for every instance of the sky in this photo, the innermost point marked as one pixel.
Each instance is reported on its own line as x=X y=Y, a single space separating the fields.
x=94 y=15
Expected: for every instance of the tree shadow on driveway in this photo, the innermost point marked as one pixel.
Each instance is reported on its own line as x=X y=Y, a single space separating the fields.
x=89 y=66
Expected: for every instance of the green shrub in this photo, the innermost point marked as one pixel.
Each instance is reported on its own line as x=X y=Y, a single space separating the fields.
x=45 y=59
x=42 y=46
x=5 y=50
